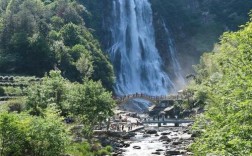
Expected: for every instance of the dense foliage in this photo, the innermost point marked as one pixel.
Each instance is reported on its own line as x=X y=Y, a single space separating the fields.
x=88 y=102
x=226 y=78
x=37 y=36
x=36 y=124
x=22 y=134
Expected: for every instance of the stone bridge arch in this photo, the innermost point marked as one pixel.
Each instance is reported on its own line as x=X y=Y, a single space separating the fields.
x=153 y=99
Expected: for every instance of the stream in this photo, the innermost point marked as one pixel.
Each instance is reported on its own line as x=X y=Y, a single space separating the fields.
x=149 y=140
x=167 y=141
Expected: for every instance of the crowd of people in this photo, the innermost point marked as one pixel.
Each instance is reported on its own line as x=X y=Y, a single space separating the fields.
x=141 y=95
x=124 y=122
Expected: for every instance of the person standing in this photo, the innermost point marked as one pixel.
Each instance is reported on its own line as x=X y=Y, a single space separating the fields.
x=122 y=127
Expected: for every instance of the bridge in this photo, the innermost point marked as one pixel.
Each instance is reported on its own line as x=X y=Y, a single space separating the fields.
x=163 y=121
x=153 y=99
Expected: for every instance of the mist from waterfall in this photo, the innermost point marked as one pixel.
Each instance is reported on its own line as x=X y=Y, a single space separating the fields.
x=133 y=52
x=178 y=80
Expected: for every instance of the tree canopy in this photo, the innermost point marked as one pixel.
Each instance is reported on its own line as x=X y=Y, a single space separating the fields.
x=37 y=36
x=226 y=77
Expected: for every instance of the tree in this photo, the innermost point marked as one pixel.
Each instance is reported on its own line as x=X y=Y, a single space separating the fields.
x=22 y=134
x=91 y=103
x=48 y=135
x=84 y=66
x=70 y=34
x=52 y=90
x=12 y=135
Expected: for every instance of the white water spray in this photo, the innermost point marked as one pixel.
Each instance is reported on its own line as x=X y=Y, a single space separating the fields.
x=136 y=60
x=179 y=80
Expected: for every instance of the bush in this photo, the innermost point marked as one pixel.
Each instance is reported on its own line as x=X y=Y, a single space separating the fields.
x=17 y=105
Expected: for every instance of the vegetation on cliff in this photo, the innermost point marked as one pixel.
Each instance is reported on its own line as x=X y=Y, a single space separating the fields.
x=37 y=36
x=225 y=75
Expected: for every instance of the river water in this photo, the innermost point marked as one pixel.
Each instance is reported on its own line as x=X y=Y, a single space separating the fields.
x=179 y=139
x=167 y=140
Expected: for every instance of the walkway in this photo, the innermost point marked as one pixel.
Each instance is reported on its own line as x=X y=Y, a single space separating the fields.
x=125 y=98
x=176 y=122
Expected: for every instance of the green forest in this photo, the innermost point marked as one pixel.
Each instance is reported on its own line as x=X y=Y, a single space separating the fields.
x=223 y=84
x=37 y=36
x=53 y=53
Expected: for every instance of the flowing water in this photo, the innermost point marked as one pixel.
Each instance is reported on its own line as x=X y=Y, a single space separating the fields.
x=138 y=66
x=150 y=145
x=179 y=80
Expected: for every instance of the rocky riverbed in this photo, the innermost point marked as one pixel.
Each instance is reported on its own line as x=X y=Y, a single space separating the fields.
x=150 y=141
x=160 y=141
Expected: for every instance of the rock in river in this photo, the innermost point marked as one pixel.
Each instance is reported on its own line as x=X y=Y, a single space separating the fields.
x=136 y=147
x=165 y=138
x=151 y=131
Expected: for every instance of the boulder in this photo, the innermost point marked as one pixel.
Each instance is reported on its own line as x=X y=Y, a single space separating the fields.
x=166 y=133
x=164 y=138
x=146 y=135
x=177 y=143
x=172 y=152
x=156 y=153
x=126 y=144
x=126 y=137
x=136 y=147
x=119 y=145
x=189 y=153
x=186 y=131
x=151 y=131
x=196 y=134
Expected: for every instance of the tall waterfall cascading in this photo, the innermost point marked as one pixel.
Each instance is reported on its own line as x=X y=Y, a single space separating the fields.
x=179 y=80
x=136 y=60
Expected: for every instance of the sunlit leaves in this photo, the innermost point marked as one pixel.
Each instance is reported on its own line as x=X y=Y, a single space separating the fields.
x=229 y=131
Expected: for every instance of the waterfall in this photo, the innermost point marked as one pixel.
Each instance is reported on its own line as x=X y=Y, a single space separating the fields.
x=178 y=79
x=136 y=60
